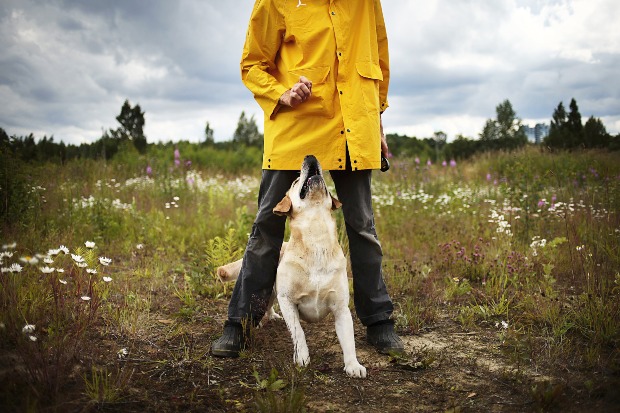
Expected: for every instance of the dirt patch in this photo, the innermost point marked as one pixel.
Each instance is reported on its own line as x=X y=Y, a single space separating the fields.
x=445 y=369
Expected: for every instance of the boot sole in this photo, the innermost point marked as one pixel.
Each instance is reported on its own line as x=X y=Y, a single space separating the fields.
x=225 y=353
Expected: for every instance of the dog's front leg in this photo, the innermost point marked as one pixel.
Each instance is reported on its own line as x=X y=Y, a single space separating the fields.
x=301 y=355
x=344 y=330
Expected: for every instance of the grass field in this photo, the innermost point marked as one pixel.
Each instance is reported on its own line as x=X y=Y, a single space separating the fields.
x=504 y=270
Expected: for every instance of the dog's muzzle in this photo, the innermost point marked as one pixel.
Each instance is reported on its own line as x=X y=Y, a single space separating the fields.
x=311 y=175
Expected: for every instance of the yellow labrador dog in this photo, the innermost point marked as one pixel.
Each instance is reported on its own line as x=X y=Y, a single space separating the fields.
x=311 y=280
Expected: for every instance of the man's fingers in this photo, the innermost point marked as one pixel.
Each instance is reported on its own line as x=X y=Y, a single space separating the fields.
x=299 y=93
x=306 y=81
x=302 y=90
x=295 y=97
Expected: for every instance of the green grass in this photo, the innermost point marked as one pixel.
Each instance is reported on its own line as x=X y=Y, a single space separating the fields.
x=524 y=245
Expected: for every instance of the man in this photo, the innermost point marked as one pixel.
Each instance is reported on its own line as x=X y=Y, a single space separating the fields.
x=319 y=69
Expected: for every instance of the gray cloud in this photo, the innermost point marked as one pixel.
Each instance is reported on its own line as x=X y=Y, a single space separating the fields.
x=67 y=65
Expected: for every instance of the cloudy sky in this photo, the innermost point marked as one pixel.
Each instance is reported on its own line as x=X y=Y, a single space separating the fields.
x=66 y=66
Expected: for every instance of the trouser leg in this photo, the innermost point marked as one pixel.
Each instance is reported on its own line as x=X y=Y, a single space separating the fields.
x=254 y=286
x=372 y=301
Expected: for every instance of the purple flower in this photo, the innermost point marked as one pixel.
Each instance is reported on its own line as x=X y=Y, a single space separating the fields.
x=149 y=170
x=417 y=160
x=489 y=177
x=188 y=163
x=541 y=203
x=444 y=163
x=177 y=154
x=177 y=162
x=452 y=163
x=429 y=163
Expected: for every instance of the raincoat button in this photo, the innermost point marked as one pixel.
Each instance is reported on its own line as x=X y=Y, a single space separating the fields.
x=348 y=130
x=342 y=132
x=341 y=92
x=333 y=13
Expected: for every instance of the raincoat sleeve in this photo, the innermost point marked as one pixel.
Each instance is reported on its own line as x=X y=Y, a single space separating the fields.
x=262 y=43
x=384 y=58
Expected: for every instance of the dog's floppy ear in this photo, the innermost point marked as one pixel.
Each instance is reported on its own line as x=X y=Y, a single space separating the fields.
x=335 y=203
x=284 y=207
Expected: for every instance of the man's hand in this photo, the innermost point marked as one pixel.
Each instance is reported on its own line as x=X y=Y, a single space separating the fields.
x=384 y=145
x=298 y=94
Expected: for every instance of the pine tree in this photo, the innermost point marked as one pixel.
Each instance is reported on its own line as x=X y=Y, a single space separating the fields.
x=209 y=140
x=574 y=126
x=247 y=132
x=132 y=126
x=594 y=134
x=557 y=130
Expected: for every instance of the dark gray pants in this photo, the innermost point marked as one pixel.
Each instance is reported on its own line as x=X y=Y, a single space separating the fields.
x=260 y=261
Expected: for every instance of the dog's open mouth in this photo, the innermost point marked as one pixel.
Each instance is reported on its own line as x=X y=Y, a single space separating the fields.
x=311 y=174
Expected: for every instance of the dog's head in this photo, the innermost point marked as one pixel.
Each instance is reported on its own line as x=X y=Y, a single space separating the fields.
x=308 y=191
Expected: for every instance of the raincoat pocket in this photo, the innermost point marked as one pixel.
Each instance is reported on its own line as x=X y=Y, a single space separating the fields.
x=321 y=103
x=371 y=76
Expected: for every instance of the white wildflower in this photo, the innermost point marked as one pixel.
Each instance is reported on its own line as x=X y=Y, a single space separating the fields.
x=85 y=298
x=29 y=260
x=9 y=246
x=107 y=279
x=63 y=282
x=60 y=270
x=28 y=328
x=91 y=271
x=105 y=261
x=82 y=264
x=32 y=338
x=48 y=260
x=47 y=270
x=64 y=249
x=15 y=267
x=89 y=244
x=140 y=246
x=77 y=258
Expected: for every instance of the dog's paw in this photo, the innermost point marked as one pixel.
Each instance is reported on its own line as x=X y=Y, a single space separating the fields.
x=356 y=370
x=274 y=316
x=302 y=357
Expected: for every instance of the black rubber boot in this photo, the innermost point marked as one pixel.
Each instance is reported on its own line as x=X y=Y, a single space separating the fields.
x=232 y=341
x=382 y=336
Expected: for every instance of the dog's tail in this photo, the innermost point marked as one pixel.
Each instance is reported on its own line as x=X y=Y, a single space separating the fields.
x=230 y=272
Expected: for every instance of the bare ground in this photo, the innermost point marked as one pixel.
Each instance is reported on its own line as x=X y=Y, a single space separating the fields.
x=446 y=369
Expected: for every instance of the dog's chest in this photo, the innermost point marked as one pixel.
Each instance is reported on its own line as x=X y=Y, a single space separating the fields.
x=314 y=281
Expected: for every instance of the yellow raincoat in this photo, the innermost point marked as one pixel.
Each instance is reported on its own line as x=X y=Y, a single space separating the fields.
x=341 y=46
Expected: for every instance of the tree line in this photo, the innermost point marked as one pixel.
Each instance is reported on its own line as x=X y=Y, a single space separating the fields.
x=504 y=132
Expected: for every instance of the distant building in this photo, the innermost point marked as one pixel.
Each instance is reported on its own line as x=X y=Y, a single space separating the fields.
x=537 y=133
